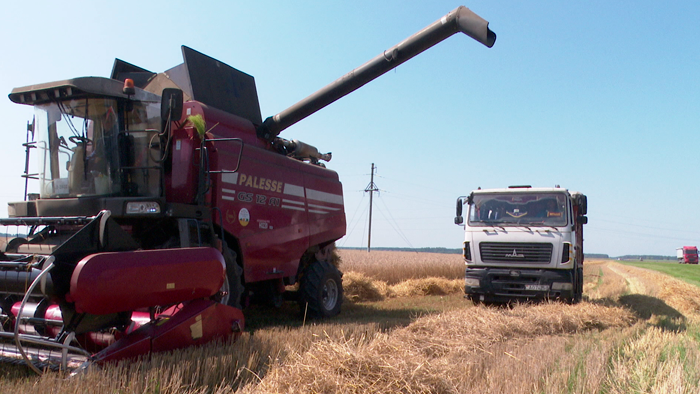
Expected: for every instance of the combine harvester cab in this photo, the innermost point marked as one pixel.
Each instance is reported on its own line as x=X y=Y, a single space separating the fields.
x=165 y=203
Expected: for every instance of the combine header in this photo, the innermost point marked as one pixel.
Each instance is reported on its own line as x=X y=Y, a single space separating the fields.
x=166 y=204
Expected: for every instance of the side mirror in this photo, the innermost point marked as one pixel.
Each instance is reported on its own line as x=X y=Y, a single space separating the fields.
x=582 y=202
x=584 y=205
x=458 y=218
x=171 y=106
x=582 y=219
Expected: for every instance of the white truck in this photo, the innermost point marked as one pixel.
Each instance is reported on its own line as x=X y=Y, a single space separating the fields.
x=523 y=243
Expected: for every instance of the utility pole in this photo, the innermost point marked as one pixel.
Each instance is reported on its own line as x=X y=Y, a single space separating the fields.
x=371 y=188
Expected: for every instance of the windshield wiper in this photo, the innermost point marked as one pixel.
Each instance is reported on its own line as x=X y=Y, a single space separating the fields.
x=490 y=224
x=523 y=225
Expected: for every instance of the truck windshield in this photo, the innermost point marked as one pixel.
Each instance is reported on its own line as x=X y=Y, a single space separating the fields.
x=519 y=209
x=93 y=146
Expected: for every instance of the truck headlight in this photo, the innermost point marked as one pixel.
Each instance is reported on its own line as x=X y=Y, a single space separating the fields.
x=472 y=282
x=562 y=286
x=141 y=207
x=567 y=254
x=466 y=252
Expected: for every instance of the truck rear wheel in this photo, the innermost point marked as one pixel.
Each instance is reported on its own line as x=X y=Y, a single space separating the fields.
x=321 y=290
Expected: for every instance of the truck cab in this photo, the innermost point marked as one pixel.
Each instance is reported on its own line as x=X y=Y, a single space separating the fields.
x=523 y=243
x=687 y=255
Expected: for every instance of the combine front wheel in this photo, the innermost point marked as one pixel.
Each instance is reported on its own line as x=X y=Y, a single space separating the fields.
x=321 y=290
x=233 y=286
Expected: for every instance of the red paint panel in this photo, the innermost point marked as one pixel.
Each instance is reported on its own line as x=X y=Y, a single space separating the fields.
x=194 y=323
x=266 y=203
x=277 y=234
x=106 y=283
x=181 y=181
x=324 y=195
x=197 y=323
x=135 y=344
x=53 y=313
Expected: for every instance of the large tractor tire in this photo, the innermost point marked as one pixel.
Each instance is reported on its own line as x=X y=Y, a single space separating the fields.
x=233 y=285
x=578 y=286
x=578 y=295
x=320 y=290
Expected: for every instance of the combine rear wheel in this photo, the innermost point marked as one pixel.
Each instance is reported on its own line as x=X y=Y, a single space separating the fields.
x=321 y=290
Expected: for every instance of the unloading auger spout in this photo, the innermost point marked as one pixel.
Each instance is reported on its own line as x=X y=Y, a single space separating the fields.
x=461 y=19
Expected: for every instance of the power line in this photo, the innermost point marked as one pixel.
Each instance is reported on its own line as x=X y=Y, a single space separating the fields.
x=683 y=230
x=395 y=225
x=352 y=229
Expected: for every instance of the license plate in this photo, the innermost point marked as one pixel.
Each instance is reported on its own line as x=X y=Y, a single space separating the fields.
x=537 y=287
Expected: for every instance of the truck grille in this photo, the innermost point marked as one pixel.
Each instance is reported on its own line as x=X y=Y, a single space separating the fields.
x=503 y=252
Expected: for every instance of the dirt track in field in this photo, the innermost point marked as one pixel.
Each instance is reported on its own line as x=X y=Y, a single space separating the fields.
x=635 y=285
x=668 y=293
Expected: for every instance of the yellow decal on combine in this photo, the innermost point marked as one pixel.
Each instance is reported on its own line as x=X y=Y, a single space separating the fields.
x=260 y=183
x=196 y=329
x=243 y=217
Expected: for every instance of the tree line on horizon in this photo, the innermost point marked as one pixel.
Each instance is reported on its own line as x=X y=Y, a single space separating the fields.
x=459 y=251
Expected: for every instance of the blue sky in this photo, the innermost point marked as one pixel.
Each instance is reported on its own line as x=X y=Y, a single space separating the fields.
x=597 y=97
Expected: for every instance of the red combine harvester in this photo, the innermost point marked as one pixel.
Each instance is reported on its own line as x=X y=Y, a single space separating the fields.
x=166 y=203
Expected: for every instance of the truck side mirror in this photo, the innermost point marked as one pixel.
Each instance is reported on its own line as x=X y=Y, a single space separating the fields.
x=584 y=205
x=171 y=106
x=582 y=202
x=582 y=219
x=459 y=219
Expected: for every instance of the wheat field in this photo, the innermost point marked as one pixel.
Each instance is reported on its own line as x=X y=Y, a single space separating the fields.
x=636 y=332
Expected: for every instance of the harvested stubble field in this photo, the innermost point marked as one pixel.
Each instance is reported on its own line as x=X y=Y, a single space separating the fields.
x=405 y=328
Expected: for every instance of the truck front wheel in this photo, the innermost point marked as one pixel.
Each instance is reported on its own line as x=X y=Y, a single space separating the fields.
x=321 y=290
x=578 y=286
x=579 y=290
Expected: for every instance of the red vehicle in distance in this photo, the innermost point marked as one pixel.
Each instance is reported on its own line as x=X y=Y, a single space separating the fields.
x=687 y=255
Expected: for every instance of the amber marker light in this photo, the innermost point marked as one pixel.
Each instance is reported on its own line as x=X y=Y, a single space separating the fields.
x=129 y=87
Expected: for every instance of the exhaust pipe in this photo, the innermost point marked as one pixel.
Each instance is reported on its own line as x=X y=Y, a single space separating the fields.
x=461 y=19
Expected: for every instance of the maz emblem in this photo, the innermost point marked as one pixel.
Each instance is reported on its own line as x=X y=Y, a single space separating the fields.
x=514 y=254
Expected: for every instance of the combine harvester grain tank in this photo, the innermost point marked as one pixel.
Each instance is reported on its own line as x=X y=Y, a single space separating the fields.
x=166 y=204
